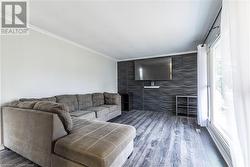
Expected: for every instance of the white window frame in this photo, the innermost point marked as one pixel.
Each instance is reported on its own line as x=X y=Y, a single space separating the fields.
x=216 y=135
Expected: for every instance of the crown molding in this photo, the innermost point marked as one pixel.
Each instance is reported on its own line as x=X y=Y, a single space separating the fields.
x=40 y=30
x=155 y=56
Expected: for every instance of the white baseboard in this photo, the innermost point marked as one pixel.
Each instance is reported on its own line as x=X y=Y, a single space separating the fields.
x=2 y=147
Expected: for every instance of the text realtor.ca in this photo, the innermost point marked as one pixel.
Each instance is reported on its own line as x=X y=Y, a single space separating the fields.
x=14 y=18
x=14 y=31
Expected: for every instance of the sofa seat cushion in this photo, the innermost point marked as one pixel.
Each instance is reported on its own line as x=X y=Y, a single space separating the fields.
x=69 y=100
x=95 y=144
x=112 y=108
x=101 y=112
x=82 y=114
x=99 y=108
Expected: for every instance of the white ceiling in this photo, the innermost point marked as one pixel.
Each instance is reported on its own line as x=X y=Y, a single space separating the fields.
x=128 y=29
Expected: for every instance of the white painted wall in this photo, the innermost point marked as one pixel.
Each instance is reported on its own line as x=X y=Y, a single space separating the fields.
x=39 y=65
x=1 y=146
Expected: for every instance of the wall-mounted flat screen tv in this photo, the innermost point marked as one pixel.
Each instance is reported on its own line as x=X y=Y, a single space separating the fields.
x=154 y=69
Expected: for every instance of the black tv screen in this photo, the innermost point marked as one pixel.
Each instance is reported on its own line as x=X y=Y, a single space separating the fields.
x=154 y=69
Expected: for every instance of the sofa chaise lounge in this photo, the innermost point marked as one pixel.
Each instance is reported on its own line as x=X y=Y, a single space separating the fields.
x=68 y=131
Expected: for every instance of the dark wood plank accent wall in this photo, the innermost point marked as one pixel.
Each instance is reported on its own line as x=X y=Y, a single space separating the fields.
x=163 y=99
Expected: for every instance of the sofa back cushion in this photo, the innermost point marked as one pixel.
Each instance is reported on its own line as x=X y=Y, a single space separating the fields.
x=111 y=98
x=52 y=99
x=68 y=100
x=98 y=99
x=20 y=104
x=84 y=101
x=57 y=108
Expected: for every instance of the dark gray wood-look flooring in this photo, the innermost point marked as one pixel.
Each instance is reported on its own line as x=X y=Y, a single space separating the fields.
x=162 y=140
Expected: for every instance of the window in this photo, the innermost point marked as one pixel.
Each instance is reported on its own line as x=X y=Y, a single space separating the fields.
x=221 y=91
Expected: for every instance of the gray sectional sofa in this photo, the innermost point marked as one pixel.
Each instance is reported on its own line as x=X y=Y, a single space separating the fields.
x=96 y=106
x=68 y=130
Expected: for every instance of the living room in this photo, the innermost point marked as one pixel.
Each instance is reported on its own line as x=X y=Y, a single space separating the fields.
x=125 y=83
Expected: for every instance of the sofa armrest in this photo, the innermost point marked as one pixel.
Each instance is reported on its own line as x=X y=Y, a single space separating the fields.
x=31 y=133
x=117 y=98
